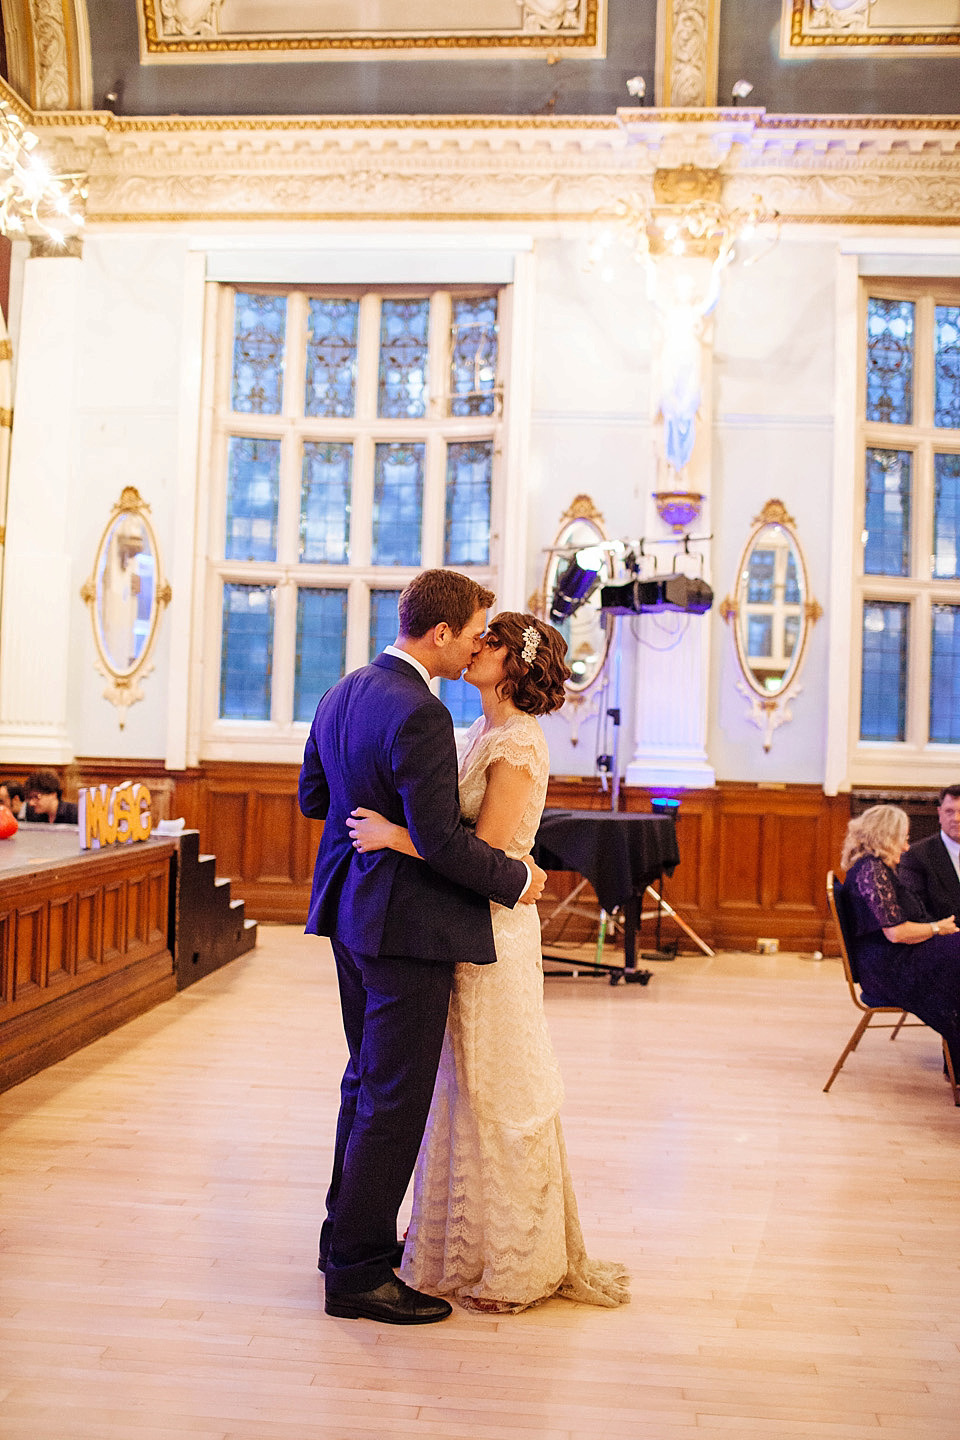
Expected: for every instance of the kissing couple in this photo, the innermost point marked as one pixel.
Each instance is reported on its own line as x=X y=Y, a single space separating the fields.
x=425 y=886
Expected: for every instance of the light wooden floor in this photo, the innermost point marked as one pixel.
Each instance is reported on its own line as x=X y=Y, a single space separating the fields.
x=795 y=1256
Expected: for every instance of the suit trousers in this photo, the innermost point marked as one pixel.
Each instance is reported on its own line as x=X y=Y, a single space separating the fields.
x=394 y=1017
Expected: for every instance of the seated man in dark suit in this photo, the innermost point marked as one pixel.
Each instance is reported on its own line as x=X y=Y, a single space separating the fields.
x=931 y=867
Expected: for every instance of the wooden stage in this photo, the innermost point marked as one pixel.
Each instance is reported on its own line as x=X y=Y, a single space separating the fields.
x=794 y=1254
x=91 y=938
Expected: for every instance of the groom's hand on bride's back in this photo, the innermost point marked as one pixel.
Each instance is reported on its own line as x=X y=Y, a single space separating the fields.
x=538 y=878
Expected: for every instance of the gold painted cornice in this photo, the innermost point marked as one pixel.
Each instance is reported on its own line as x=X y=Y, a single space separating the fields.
x=536 y=170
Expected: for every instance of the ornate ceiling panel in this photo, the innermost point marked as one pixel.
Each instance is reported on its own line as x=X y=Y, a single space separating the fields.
x=192 y=31
x=884 y=26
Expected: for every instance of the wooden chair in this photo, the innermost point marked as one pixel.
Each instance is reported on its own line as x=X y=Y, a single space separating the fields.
x=838 y=909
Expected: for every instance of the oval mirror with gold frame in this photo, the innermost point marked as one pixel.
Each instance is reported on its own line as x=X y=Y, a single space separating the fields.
x=772 y=613
x=126 y=594
x=587 y=631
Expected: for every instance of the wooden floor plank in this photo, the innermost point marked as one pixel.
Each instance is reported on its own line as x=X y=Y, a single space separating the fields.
x=795 y=1255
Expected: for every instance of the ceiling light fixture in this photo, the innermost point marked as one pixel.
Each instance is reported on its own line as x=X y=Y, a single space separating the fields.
x=32 y=197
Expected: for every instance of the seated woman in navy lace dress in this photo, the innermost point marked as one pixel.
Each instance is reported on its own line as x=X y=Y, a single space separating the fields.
x=903 y=956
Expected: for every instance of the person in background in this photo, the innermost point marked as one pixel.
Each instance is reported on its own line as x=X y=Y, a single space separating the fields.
x=12 y=795
x=903 y=955
x=45 y=802
x=931 y=867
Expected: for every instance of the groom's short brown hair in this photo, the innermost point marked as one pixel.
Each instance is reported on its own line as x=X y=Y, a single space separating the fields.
x=440 y=595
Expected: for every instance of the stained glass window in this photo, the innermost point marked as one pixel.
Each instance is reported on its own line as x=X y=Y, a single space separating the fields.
x=760 y=577
x=253 y=492
x=462 y=700
x=946 y=337
x=397 y=504
x=404 y=328
x=473 y=356
x=246 y=652
x=335 y=488
x=883 y=686
x=259 y=328
x=791 y=633
x=384 y=621
x=469 y=482
x=945 y=675
x=791 y=591
x=890 y=325
x=325 y=491
x=887 y=512
x=946 y=516
x=331 y=357
x=321 y=646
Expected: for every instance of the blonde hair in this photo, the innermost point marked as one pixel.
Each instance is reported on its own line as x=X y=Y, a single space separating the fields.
x=882 y=831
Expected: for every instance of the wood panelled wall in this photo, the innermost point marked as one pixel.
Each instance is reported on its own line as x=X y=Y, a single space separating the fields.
x=753 y=858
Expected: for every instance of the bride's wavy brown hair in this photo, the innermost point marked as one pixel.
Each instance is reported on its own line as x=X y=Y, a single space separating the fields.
x=535 y=687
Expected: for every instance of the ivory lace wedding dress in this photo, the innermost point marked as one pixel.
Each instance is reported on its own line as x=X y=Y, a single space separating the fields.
x=494 y=1214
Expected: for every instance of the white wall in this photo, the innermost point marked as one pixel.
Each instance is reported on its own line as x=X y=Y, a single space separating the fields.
x=773 y=439
x=590 y=432
x=126 y=424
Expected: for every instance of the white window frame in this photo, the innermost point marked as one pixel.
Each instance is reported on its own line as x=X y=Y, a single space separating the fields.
x=281 y=739
x=914 y=761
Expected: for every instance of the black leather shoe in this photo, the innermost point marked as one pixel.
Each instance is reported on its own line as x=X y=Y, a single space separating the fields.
x=392 y=1303
x=396 y=1259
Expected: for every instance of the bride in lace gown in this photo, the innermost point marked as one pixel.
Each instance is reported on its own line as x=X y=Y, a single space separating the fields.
x=494 y=1214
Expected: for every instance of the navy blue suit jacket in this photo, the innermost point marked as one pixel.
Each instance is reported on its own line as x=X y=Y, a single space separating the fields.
x=928 y=871
x=381 y=739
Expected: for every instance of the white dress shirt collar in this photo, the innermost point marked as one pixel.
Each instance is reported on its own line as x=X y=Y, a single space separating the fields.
x=404 y=655
x=953 y=850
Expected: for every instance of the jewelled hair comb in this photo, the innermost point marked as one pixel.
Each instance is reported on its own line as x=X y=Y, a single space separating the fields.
x=531 y=644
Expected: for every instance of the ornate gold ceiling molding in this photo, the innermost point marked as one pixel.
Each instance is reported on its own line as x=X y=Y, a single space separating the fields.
x=688 y=44
x=812 y=170
x=871 y=26
x=216 y=31
x=48 y=52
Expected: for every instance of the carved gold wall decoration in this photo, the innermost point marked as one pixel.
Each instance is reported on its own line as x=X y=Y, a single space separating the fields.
x=211 y=31
x=48 y=52
x=771 y=612
x=872 y=26
x=688 y=41
x=127 y=593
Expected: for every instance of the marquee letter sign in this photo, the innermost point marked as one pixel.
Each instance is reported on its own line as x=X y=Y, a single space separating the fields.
x=113 y=817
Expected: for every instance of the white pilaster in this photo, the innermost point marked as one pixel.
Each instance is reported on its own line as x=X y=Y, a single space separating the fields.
x=672 y=656
x=38 y=583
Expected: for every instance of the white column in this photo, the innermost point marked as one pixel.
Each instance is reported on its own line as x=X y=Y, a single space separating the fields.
x=39 y=586
x=672 y=656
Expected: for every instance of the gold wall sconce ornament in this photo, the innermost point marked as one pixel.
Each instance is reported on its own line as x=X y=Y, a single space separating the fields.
x=678 y=508
x=126 y=593
x=772 y=613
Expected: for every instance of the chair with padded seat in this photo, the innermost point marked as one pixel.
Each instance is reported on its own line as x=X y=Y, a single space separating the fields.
x=837 y=902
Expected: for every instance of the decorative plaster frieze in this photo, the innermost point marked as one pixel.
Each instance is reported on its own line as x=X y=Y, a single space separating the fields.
x=537 y=170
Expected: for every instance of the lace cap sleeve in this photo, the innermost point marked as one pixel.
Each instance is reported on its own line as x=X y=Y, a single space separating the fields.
x=875 y=885
x=521 y=744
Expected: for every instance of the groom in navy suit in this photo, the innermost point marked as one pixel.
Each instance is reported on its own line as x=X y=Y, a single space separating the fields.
x=397 y=925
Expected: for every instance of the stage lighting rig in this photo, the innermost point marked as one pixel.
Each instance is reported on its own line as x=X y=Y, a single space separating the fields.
x=577 y=582
x=685 y=594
